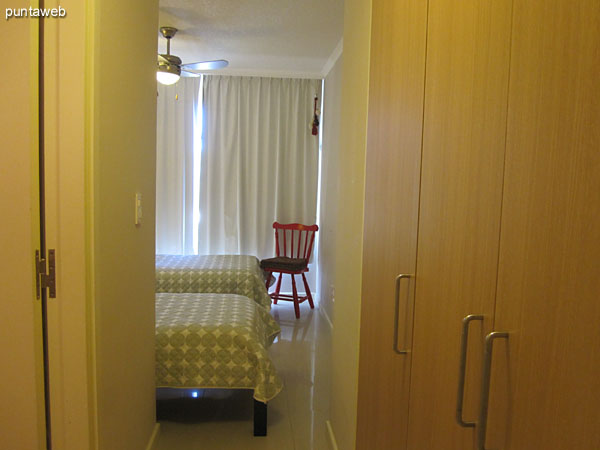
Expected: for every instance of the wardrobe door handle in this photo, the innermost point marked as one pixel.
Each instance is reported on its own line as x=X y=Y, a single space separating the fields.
x=397 y=301
x=464 y=340
x=485 y=385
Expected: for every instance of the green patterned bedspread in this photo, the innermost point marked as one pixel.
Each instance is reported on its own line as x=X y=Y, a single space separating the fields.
x=203 y=341
x=222 y=274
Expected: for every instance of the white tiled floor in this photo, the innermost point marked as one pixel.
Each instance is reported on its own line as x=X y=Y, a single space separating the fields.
x=220 y=419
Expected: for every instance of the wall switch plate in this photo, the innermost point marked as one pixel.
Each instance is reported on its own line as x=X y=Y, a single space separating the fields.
x=138 y=209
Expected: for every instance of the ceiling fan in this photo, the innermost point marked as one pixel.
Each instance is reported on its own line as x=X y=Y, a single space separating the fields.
x=170 y=67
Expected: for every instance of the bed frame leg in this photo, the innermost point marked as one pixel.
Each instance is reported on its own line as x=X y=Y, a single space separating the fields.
x=260 y=418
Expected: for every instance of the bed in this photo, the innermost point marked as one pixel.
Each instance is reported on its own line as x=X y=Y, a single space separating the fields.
x=222 y=274
x=216 y=340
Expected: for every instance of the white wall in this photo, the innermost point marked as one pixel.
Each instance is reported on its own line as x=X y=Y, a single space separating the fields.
x=332 y=103
x=104 y=129
x=349 y=228
x=124 y=163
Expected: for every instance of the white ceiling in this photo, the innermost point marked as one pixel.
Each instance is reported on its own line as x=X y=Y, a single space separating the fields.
x=257 y=37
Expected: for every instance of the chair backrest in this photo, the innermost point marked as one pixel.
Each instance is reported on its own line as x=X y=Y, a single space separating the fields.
x=294 y=240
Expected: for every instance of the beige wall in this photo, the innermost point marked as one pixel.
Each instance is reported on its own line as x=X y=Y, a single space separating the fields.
x=329 y=186
x=348 y=254
x=123 y=152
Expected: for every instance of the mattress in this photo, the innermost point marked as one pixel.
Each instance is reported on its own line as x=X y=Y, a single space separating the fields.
x=221 y=274
x=209 y=341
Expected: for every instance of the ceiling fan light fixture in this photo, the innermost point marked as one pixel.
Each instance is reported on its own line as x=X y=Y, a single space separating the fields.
x=170 y=66
x=167 y=74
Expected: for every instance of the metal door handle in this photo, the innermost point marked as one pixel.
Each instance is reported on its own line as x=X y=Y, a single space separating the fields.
x=462 y=369
x=397 y=300
x=485 y=385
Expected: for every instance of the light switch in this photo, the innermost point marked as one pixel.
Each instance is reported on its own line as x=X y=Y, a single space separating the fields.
x=138 y=209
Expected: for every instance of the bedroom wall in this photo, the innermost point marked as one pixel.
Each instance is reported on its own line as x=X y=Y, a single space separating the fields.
x=329 y=184
x=123 y=164
x=348 y=249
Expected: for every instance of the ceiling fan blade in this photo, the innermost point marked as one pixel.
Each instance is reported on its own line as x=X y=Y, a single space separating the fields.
x=206 y=65
x=185 y=73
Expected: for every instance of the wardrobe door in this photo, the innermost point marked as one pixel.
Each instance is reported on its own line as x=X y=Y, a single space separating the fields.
x=391 y=212
x=546 y=377
x=466 y=91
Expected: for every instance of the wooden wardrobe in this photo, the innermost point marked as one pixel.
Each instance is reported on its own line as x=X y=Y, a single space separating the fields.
x=483 y=191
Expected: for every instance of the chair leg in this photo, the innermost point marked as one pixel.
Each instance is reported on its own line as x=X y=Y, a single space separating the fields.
x=277 y=289
x=295 y=292
x=268 y=278
x=308 y=294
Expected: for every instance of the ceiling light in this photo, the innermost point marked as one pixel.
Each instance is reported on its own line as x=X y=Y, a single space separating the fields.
x=167 y=73
x=170 y=66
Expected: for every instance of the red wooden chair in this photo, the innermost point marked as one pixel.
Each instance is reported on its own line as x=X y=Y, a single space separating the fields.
x=293 y=246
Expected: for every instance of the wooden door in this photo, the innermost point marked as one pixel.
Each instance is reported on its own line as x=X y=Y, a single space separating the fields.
x=466 y=91
x=546 y=380
x=391 y=212
x=22 y=417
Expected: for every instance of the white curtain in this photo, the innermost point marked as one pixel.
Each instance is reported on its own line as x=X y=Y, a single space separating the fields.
x=177 y=133
x=259 y=161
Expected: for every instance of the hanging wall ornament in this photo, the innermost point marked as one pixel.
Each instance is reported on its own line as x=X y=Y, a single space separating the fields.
x=315 y=122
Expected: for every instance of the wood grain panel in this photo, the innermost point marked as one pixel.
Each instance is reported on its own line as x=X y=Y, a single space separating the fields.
x=391 y=213
x=549 y=274
x=466 y=93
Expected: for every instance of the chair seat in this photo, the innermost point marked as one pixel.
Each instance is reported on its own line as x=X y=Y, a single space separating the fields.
x=284 y=263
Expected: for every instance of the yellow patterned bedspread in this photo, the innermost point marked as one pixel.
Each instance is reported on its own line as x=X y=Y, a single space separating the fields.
x=215 y=341
x=223 y=274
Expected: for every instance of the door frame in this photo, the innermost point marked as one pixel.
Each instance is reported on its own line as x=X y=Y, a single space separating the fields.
x=68 y=64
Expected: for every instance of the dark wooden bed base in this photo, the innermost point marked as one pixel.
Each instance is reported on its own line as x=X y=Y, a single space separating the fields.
x=260 y=418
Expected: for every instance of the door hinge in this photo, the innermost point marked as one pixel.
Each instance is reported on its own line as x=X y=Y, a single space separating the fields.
x=45 y=280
